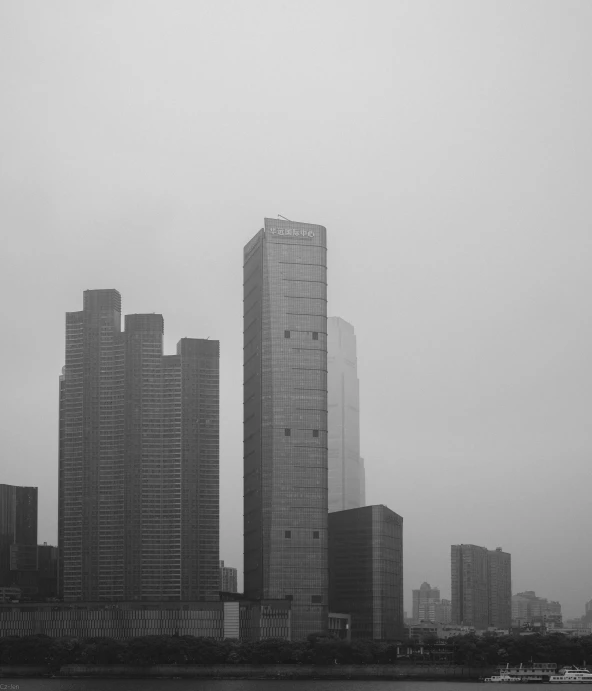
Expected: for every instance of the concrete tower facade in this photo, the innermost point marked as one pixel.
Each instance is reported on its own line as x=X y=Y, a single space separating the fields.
x=285 y=420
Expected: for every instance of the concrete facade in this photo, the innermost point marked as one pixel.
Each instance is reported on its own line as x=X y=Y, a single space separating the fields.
x=285 y=420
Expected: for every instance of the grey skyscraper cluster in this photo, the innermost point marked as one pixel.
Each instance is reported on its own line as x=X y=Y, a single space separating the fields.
x=138 y=459
x=139 y=453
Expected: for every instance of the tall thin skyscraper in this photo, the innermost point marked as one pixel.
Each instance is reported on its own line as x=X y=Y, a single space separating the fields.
x=139 y=484
x=285 y=420
x=481 y=586
x=346 y=468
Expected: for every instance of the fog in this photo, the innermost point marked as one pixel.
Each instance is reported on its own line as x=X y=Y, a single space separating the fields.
x=446 y=147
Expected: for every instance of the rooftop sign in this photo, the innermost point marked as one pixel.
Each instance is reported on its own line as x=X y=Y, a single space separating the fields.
x=294 y=232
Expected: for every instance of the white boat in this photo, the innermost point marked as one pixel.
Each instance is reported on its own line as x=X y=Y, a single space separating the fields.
x=573 y=675
x=530 y=672
x=502 y=679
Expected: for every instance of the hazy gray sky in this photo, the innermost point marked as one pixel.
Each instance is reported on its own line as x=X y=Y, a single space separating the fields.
x=445 y=145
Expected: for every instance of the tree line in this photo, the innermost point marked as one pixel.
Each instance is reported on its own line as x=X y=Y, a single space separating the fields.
x=317 y=649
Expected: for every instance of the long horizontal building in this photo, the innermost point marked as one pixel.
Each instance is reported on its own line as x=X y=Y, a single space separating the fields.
x=123 y=620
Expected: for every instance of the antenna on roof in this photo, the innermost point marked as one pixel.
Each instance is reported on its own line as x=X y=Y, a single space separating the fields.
x=285 y=219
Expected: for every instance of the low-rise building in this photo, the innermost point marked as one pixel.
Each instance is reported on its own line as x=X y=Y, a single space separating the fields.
x=244 y=619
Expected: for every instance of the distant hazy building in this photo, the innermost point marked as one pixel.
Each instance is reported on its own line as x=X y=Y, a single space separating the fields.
x=527 y=608
x=139 y=456
x=366 y=570
x=443 y=612
x=346 y=468
x=425 y=599
x=285 y=420
x=500 y=588
x=18 y=538
x=481 y=587
x=227 y=578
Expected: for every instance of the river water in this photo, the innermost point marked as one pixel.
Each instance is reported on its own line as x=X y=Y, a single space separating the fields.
x=235 y=685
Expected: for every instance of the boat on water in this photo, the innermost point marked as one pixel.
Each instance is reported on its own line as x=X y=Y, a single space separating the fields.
x=502 y=679
x=529 y=673
x=572 y=675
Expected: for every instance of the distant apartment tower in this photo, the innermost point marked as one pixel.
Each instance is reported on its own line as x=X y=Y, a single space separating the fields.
x=18 y=537
x=138 y=514
x=285 y=420
x=425 y=599
x=481 y=587
x=366 y=570
x=346 y=468
x=227 y=578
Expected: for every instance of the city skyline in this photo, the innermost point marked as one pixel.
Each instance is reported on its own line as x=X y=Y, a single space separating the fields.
x=445 y=145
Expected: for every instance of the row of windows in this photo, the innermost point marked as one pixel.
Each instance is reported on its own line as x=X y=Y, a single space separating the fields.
x=316 y=599
x=288 y=432
x=315 y=335
x=315 y=535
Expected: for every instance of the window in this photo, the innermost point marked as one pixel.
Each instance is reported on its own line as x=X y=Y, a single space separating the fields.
x=286 y=334
x=316 y=535
x=315 y=433
x=315 y=335
x=288 y=534
x=316 y=598
x=289 y=597
x=287 y=432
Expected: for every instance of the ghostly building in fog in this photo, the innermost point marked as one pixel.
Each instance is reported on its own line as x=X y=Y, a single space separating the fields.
x=138 y=459
x=425 y=601
x=285 y=420
x=346 y=468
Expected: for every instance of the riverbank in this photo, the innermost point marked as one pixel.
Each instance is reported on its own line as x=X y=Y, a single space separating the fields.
x=237 y=671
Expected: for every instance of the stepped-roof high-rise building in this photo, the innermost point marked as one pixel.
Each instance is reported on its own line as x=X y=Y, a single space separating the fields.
x=138 y=459
x=285 y=420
